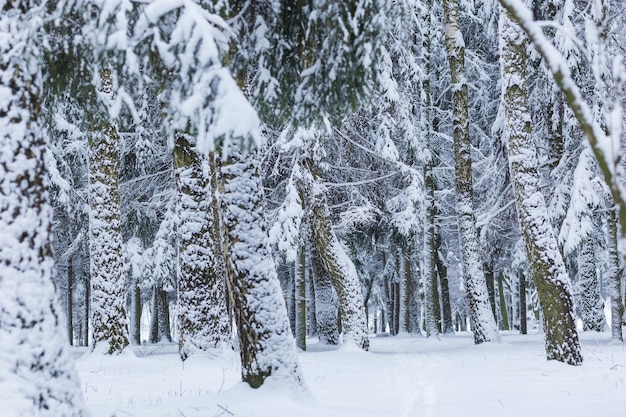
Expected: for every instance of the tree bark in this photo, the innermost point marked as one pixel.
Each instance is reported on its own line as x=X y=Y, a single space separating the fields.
x=483 y=323
x=339 y=267
x=70 y=302
x=108 y=299
x=546 y=263
x=300 y=284
x=137 y=309
x=37 y=372
x=202 y=315
x=326 y=303
x=613 y=276
x=523 y=307
x=446 y=307
x=592 y=305
x=267 y=345
x=504 y=319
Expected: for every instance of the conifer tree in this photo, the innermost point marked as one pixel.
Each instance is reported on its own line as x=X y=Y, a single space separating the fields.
x=38 y=378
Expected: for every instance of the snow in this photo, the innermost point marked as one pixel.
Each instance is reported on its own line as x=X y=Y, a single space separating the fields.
x=400 y=376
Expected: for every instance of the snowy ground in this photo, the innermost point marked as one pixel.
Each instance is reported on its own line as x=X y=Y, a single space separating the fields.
x=401 y=376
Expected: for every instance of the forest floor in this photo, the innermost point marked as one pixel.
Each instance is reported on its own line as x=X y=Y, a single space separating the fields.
x=402 y=376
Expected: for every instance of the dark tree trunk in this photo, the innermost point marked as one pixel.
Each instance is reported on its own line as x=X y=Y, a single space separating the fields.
x=300 y=289
x=138 y=309
x=442 y=271
x=154 y=320
x=164 y=315
x=87 y=316
x=523 y=309
x=326 y=302
x=504 y=321
x=490 y=279
x=70 y=302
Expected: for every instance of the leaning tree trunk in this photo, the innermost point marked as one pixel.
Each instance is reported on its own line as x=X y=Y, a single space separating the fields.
x=483 y=323
x=202 y=315
x=546 y=263
x=336 y=262
x=341 y=270
x=326 y=303
x=592 y=305
x=108 y=297
x=38 y=377
x=267 y=345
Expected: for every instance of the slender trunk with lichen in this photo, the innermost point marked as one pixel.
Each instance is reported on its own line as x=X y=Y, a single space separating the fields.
x=546 y=263
x=483 y=323
x=337 y=264
x=613 y=276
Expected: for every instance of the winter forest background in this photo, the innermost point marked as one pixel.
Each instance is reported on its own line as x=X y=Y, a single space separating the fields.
x=185 y=179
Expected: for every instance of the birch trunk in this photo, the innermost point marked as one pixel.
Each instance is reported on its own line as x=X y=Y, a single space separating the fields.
x=548 y=269
x=483 y=323
x=614 y=278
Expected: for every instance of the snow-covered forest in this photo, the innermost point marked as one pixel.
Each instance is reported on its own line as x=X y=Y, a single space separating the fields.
x=316 y=207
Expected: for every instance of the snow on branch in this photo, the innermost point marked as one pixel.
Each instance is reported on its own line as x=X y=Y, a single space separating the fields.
x=202 y=98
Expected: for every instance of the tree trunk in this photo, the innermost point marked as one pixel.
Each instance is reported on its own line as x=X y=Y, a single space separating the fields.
x=164 y=315
x=431 y=298
x=310 y=306
x=154 y=320
x=446 y=307
x=326 y=303
x=339 y=267
x=87 y=314
x=504 y=319
x=396 y=309
x=70 y=302
x=267 y=345
x=484 y=325
x=546 y=263
x=137 y=309
x=613 y=276
x=523 y=307
x=592 y=305
x=411 y=309
x=300 y=284
x=490 y=280
x=108 y=299
x=202 y=315
x=37 y=372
